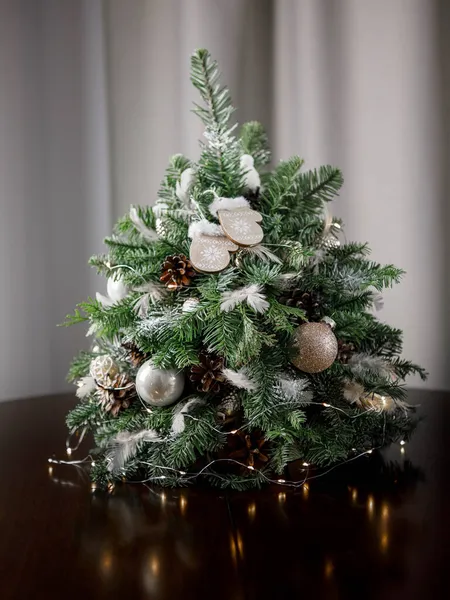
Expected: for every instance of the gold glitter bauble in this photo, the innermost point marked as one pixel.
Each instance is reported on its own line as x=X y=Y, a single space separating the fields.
x=315 y=347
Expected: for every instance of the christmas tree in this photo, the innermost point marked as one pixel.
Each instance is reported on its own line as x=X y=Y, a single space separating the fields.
x=238 y=333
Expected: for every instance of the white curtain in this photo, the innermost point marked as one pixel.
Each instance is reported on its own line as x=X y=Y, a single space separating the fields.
x=95 y=96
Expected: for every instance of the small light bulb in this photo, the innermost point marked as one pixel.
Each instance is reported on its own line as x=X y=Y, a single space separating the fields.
x=69 y=451
x=250 y=468
x=282 y=481
x=402 y=450
x=281 y=497
x=369 y=451
x=182 y=472
x=50 y=471
x=162 y=477
x=305 y=464
x=233 y=432
x=325 y=404
x=93 y=487
x=402 y=442
x=93 y=463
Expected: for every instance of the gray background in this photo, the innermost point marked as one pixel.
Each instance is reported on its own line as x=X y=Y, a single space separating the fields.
x=95 y=96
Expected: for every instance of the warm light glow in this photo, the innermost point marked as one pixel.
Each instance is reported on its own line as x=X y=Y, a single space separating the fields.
x=282 y=481
x=385 y=511
x=106 y=562
x=370 y=505
x=93 y=463
x=251 y=509
x=325 y=404
x=251 y=468
x=240 y=544
x=384 y=542
x=305 y=491
x=369 y=451
x=281 y=497
x=305 y=464
x=183 y=504
x=402 y=443
x=111 y=487
x=69 y=451
x=50 y=471
x=234 y=431
x=402 y=450
x=93 y=487
x=163 y=497
x=329 y=568
x=154 y=565
x=354 y=495
x=233 y=550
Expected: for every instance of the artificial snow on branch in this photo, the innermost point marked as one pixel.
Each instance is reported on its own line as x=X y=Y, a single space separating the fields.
x=250 y=294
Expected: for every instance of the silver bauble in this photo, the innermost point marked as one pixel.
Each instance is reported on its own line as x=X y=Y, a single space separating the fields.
x=159 y=387
x=117 y=290
x=315 y=347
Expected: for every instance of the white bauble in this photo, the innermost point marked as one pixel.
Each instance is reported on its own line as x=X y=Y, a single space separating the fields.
x=159 y=387
x=116 y=289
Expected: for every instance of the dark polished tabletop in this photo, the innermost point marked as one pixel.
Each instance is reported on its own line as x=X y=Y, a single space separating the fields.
x=378 y=528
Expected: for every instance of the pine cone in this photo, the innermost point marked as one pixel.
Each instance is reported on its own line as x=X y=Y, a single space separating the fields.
x=310 y=302
x=116 y=393
x=208 y=374
x=177 y=271
x=248 y=447
x=345 y=351
x=134 y=355
x=228 y=407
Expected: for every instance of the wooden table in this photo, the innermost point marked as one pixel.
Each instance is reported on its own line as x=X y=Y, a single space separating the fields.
x=362 y=532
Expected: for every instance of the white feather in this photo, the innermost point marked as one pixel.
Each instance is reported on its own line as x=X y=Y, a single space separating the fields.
x=362 y=364
x=153 y=292
x=85 y=386
x=180 y=411
x=104 y=300
x=183 y=187
x=294 y=389
x=239 y=379
x=227 y=204
x=93 y=328
x=145 y=231
x=250 y=294
x=125 y=445
x=251 y=175
x=353 y=392
x=378 y=300
x=262 y=253
x=204 y=227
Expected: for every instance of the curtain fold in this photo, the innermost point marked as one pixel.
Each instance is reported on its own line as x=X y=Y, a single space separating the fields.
x=95 y=97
